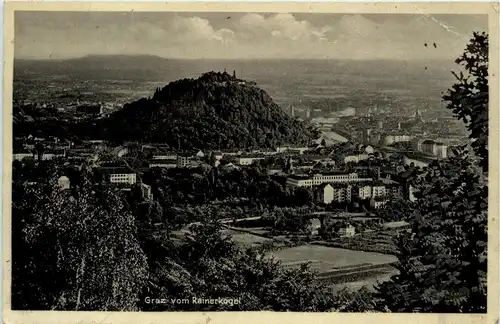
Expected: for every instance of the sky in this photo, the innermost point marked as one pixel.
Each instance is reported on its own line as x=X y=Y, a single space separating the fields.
x=59 y=35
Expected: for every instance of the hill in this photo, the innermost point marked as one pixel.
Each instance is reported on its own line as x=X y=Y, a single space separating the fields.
x=216 y=110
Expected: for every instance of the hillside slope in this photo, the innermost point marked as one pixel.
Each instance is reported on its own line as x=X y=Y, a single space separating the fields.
x=213 y=111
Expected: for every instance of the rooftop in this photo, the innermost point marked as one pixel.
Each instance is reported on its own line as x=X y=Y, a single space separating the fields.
x=163 y=161
x=117 y=169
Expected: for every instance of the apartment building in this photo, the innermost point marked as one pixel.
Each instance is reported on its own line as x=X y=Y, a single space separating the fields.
x=163 y=163
x=119 y=175
x=318 y=179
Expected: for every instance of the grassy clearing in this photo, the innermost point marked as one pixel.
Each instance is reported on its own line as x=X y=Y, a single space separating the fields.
x=328 y=258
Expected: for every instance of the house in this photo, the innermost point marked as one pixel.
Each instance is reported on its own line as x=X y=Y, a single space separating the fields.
x=314 y=226
x=63 y=182
x=347 y=231
x=200 y=154
x=248 y=159
x=355 y=158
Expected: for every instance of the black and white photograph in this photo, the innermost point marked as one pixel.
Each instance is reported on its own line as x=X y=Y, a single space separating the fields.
x=173 y=161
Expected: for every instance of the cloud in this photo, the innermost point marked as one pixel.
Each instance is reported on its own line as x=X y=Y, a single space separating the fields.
x=249 y=35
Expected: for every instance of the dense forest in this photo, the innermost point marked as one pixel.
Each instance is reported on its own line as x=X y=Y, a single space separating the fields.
x=213 y=111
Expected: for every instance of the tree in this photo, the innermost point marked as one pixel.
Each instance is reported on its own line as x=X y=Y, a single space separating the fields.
x=443 y=262
x=74 y=252
x=208 y=263
x=468 y=98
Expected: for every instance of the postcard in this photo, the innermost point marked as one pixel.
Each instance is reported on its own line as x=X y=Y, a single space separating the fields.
x=250 y=162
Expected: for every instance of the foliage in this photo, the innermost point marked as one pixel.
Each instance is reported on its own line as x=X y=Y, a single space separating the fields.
x=212 y=112
x=74 y=252
x=468 y=98
x=356 y=301
x=209 y=264
x=442 y=263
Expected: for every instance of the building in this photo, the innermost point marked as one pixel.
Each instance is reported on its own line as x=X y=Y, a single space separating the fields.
x=22 y=155
x=441 y=150
x=248 y=159
x=395 y=138
x=330 y=177
x=53 y=154
x=183 y=160
x=429 y=147
x=378 y=202
x=165 y=156
x=146 y=191
x=342 y=194
x=378 y=191
x=328 y=194
x=120 y=174
x=63 y=182
x=416 y=144
x=355 y=158
x=347 y=231
x=200 y=154
x=231 y=152
x=411 y=193
x=314 y=226
x=365 y=192
x=369 y=149
x=157 y=163
x=291 y=149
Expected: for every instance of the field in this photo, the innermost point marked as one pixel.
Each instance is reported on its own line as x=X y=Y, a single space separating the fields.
x=328 y=258
x=246 y=239
x=339 y=267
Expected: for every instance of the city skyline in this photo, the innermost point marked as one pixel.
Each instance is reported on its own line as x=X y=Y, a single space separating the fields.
x=61 y=35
